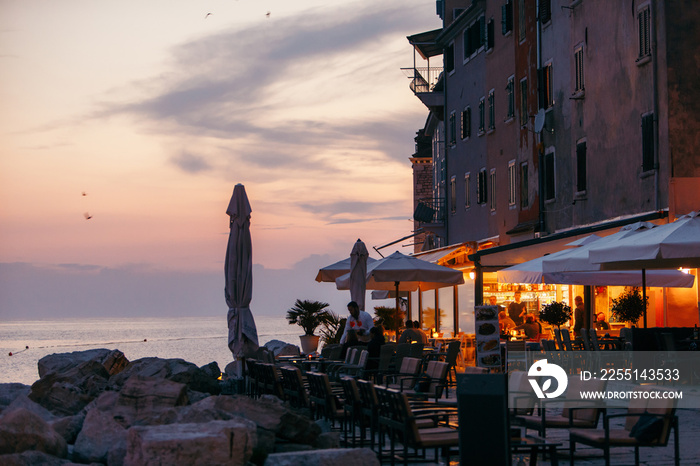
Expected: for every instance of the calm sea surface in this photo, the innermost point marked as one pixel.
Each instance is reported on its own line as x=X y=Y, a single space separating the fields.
x=199 y=340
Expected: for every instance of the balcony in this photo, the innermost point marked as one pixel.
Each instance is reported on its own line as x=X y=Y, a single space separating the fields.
x=426 y=84
x=430 y=214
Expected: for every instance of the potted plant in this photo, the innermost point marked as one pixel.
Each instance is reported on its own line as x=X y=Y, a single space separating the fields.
x=629 y=306
x=332 y=329
x=308 y=315
x=555 y=313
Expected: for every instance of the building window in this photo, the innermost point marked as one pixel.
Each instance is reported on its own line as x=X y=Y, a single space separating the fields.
x=648 y=142
x=578 y=61
x=450 y=58
x=453 y=194
x=521 y=20
x=481 y=196
x=523 y=102
x=510 y=97
x=492 y=111
x=453 y=129
x=467 y=194
x=545 y=11
x=492 y=181
x=482 y=115
x=581 y=166
x=545 y=87
x=511 y=183
x=474 y=37
x=489 y=35
x=549 y=183
x=507 y=17
x=644 y=18
x=466 y=123
x=524 y=198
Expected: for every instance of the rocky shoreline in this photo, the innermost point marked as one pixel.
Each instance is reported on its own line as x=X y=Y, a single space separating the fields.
x=96 y=407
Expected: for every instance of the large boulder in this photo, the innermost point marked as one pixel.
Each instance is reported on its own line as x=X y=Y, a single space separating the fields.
x=33 y=458
x=280 y=348
x=66 y=393
x=112 y=360
x=269 y=413
x=228 y=442
x=67 y=426
x=142 y=401
x=176 y=370
x=332 y=457
x=10 y=391
x=22 y=430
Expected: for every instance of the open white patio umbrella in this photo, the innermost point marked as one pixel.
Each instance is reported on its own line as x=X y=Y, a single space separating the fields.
x=238 y=270
x=675 y=244
x=400 y=272
x=358 y=272
x=532 y=272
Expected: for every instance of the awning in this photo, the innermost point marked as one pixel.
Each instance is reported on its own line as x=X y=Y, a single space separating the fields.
x=444 y=255
x=426 y=44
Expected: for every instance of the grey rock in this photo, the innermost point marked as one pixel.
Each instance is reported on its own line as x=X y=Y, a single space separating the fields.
x=280 y=348
x=32 y=458
x=22 y=430
x=176 y=370
x=67 y=392
x=10 y=391
x=112 y=360
x=213 y=443
x=332 y=457
x=328 y=440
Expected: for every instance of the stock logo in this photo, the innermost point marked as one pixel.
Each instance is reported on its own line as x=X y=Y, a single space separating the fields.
x=543 y=369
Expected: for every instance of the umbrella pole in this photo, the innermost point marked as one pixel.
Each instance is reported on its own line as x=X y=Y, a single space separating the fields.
x=398 y=310
x=644 y=295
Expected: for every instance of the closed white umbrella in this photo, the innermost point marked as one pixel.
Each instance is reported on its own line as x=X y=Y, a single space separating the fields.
x=330 y=272
x=358 y=272
x=238 y=270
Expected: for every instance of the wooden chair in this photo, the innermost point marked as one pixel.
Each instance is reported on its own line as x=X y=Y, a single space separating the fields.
x=353 y=369
x=293 y=386
x=369 y=407
x=558 y=339
x=575 y=412
x=663 y=409
x=410 y=368
x=354 y=416
x=400 y=422
x=435 y=376
x=377 y=367
x=521 y=399
x=450 y=356
x=326 y=401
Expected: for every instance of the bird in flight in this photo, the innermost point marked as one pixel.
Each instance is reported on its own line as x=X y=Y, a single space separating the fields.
x=87 y=215
x=267 y=14
x=84 y=193
x=207 y=15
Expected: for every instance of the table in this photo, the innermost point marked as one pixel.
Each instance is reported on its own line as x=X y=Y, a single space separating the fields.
x=534 y=444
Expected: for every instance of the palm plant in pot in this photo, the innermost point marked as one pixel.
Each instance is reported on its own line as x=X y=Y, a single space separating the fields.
x=308 y=315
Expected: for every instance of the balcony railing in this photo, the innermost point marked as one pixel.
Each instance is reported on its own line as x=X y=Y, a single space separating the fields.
x=423 y=79
x=430 y=211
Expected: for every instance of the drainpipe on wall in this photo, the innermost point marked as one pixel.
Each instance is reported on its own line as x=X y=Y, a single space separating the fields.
x=655 y=84
x=540 y=148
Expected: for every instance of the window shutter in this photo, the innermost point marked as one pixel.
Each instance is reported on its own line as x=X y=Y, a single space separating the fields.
x=490 y=35
x=482 y=31
x=504 y=19
x=540 y=88
x=545 y=10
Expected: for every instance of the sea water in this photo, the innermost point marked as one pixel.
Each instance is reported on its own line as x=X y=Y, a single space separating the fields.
x=199 y=340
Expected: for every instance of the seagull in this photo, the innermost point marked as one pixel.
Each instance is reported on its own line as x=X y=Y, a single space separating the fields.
x=87 y=215
x=207 y=15
x=84 y=193
x=267 y=14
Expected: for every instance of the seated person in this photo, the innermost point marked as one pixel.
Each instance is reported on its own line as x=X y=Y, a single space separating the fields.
x=411 y=334
x=506 y=322
x=423 y=337
x=600 y=323
x=531 y=327
x=375 y=343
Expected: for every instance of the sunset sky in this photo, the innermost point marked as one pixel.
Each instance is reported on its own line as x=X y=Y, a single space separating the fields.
x=155 y=110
